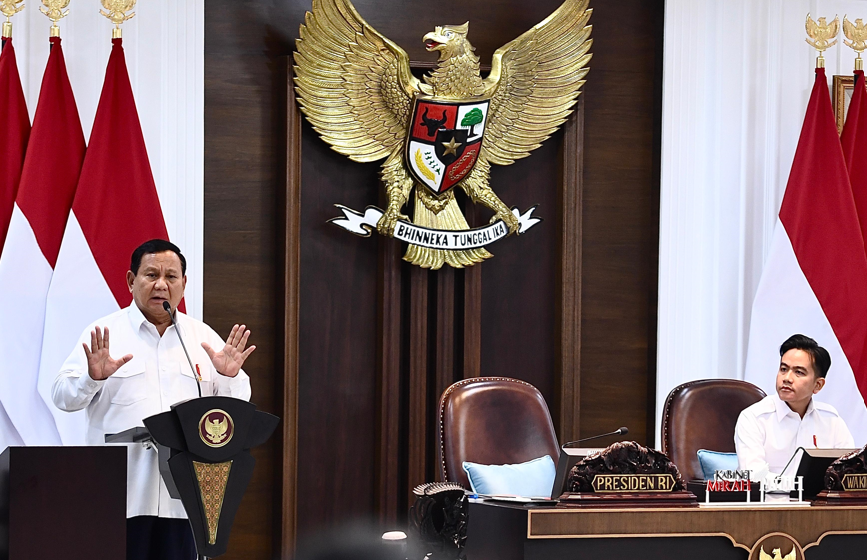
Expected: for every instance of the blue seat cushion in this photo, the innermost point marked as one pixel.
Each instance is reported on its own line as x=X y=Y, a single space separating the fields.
x=531 y=479
x=712 y=461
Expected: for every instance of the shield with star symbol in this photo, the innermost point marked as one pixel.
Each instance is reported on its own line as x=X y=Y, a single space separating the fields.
x=444 y=141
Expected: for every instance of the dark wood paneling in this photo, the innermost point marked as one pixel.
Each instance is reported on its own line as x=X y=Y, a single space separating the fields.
x=352 y=444
x=388 y=486
x=337 y=420
x=518 y=329
x=417 y=400
x=620 y=217
x=243 y=246
x=568 y=404
x=291 y=306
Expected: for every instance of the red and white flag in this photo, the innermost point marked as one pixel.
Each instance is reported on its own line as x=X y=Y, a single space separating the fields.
x=51 y=168
x=814 y=280
x=854 y=141
x=116 y=209
x=14 y=132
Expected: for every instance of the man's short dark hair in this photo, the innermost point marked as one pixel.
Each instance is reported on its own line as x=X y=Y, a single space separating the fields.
x=821 y=357
x=155 y=246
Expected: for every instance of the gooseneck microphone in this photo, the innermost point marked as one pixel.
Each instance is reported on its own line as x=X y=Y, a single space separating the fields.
x=621 y=431
x=792 y=458
x=168 y=309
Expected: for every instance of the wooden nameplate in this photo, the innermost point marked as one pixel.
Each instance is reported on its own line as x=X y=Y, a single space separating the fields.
x=679 y=498
x=626 y=474
x=845 y=481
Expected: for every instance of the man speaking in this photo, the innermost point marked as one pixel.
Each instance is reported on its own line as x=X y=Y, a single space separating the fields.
x=131 y=365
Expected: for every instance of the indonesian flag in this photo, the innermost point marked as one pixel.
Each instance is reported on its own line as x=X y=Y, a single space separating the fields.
x=14 y=132
x=48 y=179
x=115 y=210
x=854 y=140
x=814 y=280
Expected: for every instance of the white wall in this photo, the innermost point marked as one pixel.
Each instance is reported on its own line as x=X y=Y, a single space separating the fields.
x=736 y=80
x=164 y=48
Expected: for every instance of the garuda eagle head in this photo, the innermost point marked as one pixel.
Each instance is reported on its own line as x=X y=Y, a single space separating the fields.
x=449 y=40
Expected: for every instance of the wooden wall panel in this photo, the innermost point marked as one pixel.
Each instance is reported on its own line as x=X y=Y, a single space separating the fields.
x=519 y=284
x=353 y=413
x=621 y=218
x=337 y=419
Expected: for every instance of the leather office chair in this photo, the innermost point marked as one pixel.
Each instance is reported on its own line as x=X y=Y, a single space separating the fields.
x=492 y=421
x=702 y=415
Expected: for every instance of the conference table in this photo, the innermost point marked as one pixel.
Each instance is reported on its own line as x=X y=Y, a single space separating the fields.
x=505 y=531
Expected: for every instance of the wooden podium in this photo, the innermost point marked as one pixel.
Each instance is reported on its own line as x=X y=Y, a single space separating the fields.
x=204 y=447
x=63 y=502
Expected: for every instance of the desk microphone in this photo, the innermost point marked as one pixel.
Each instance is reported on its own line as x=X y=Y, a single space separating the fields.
x=622 y=431
x=790 y=461
x=168 y=309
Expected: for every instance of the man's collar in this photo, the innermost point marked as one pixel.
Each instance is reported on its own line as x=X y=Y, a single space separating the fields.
x=136 y=317
x=783 y=409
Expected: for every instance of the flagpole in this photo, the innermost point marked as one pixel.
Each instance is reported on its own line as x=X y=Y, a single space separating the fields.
x=9 y=9
x=54 y=9
x=856 y=39
x=821 y=36
x=116 y=13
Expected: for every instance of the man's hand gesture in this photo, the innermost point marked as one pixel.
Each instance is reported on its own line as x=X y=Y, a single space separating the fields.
x=100 y=366
x=229 y=360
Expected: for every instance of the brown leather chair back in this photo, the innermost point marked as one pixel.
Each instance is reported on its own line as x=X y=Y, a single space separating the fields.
x=492 y=421
x=702 y=415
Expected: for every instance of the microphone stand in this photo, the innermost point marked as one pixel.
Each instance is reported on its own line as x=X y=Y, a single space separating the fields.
x=618 y=432
x=198 y=379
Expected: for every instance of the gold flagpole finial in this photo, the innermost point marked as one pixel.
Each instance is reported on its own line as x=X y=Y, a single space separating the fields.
x=115 y=10
x=9 y=8
x=822 y=36
x=856 y=33
x=55 y=10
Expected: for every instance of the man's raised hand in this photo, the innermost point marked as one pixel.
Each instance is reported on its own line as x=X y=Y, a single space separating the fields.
x=99 y=363
x=229 y=360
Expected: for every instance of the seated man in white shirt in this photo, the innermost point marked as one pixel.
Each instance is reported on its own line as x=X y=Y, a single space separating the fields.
x=144 y=374
x=768 y=432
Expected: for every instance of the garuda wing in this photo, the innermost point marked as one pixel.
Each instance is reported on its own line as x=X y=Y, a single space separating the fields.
x=353 y=84
x=848 y=27
x=534 y=82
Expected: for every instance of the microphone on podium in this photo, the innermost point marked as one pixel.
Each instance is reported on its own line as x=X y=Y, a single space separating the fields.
x=198 y=379
x=621 y=431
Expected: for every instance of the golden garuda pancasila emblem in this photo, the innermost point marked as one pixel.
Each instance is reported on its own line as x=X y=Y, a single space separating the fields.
x=216 y=428
x=777 y=555
x=356 y=89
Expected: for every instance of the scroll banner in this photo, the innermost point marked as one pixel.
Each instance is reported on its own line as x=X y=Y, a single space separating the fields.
x=447 y=239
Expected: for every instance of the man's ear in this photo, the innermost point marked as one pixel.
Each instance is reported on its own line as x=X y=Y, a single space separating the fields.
x=820 y=382
x=130 y=278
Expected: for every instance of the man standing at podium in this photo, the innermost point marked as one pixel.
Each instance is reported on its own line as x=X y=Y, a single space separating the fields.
x=131 y=365
x=769 y=432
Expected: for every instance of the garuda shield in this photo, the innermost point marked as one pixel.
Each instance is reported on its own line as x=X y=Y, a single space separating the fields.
x=444 y=140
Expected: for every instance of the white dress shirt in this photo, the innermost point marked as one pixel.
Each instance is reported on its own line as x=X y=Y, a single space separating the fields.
x=157 y=377
x=768 y=433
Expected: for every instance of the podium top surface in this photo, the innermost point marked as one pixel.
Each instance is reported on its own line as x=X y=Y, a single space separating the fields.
x=133 y=435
